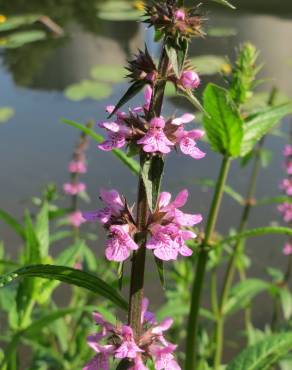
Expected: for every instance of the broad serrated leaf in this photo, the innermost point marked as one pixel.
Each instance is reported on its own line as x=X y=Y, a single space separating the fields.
x=152 y=170
x=68 y=275
x=264 y=354
x=242 y=293
x=131 y=163
x=11 y=221
x=133 y=90
x=222 y=122
x=259 y=124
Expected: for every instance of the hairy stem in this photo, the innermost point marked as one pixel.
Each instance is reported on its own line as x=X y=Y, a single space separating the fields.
x=139 y=257
x=201 y=267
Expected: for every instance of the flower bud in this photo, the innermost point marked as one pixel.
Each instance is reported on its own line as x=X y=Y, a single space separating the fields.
x=190 y=80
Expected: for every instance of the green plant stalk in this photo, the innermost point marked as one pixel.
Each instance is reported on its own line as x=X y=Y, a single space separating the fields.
x=229 y=275
x=201 y=266
x=139 y=257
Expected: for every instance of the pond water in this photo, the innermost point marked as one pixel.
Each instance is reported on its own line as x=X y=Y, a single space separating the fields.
x=35 y=146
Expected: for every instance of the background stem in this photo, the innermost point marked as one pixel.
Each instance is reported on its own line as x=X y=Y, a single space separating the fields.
x=201 y=267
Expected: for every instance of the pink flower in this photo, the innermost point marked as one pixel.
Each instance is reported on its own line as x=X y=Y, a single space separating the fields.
x=169 y=241
x=114 y=206
x=286 y=185
x=120 y=244
x=118 y=341
x=76 y=219
x=172 y=212
x=187 y=143
x=287 y=249
x=74 y=188
x=147 y=316
x=147 y=96
x=288 y=166
x=180 y=15
x=286 y=210
x=190 y=80
x=164 y=359
x=128 y=348
x=77 y=167
x=155 y=140
x=287 y=151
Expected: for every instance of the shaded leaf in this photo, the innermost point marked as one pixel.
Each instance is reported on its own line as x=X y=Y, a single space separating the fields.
x=243 y=292
x=160 y=268
x=263 y=354
x=177 y=53
x=223 y=123
x=10 y=220
x=133 y=90
x=152 y=170
x=222 y=31
x=259 y=124
x=70 y=276
x=225 y=2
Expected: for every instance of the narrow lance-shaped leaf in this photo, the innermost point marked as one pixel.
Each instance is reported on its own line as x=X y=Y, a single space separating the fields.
x=263 y=354
x=222 y=123
x=225 y=2
x=258 y=232
x=133 y=90
x=11 y=221
x=42 y=229
x=177 y=53
x=70 y=276
x=259 y=124
x=131 y=163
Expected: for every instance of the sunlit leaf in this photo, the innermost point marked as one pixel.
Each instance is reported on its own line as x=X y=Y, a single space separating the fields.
x=87 y=89
x=223 y=124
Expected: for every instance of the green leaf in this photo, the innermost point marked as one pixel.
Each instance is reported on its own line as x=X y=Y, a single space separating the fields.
x=222 y=31
x=87 y=89
x=222 y=122
x=160 y=268
x=42 y=229
x=10 y=220
x=258 y=232
x=225 y=2
x=263 y=354
x=133 y=90
x=266 y=156
x=131 y=163
x=17 y=39
x=259 y=124
x=177 y=53
x=152 y=170
x=272 y=200
x=227 y=189
x=6 y=113
x=286 y=302
x=208 y=64
x=17 y=21
x=243 y=292
x=65 y=258
x=188 y=94
x=108 y=73
x=70 y=276
x=32 y=247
